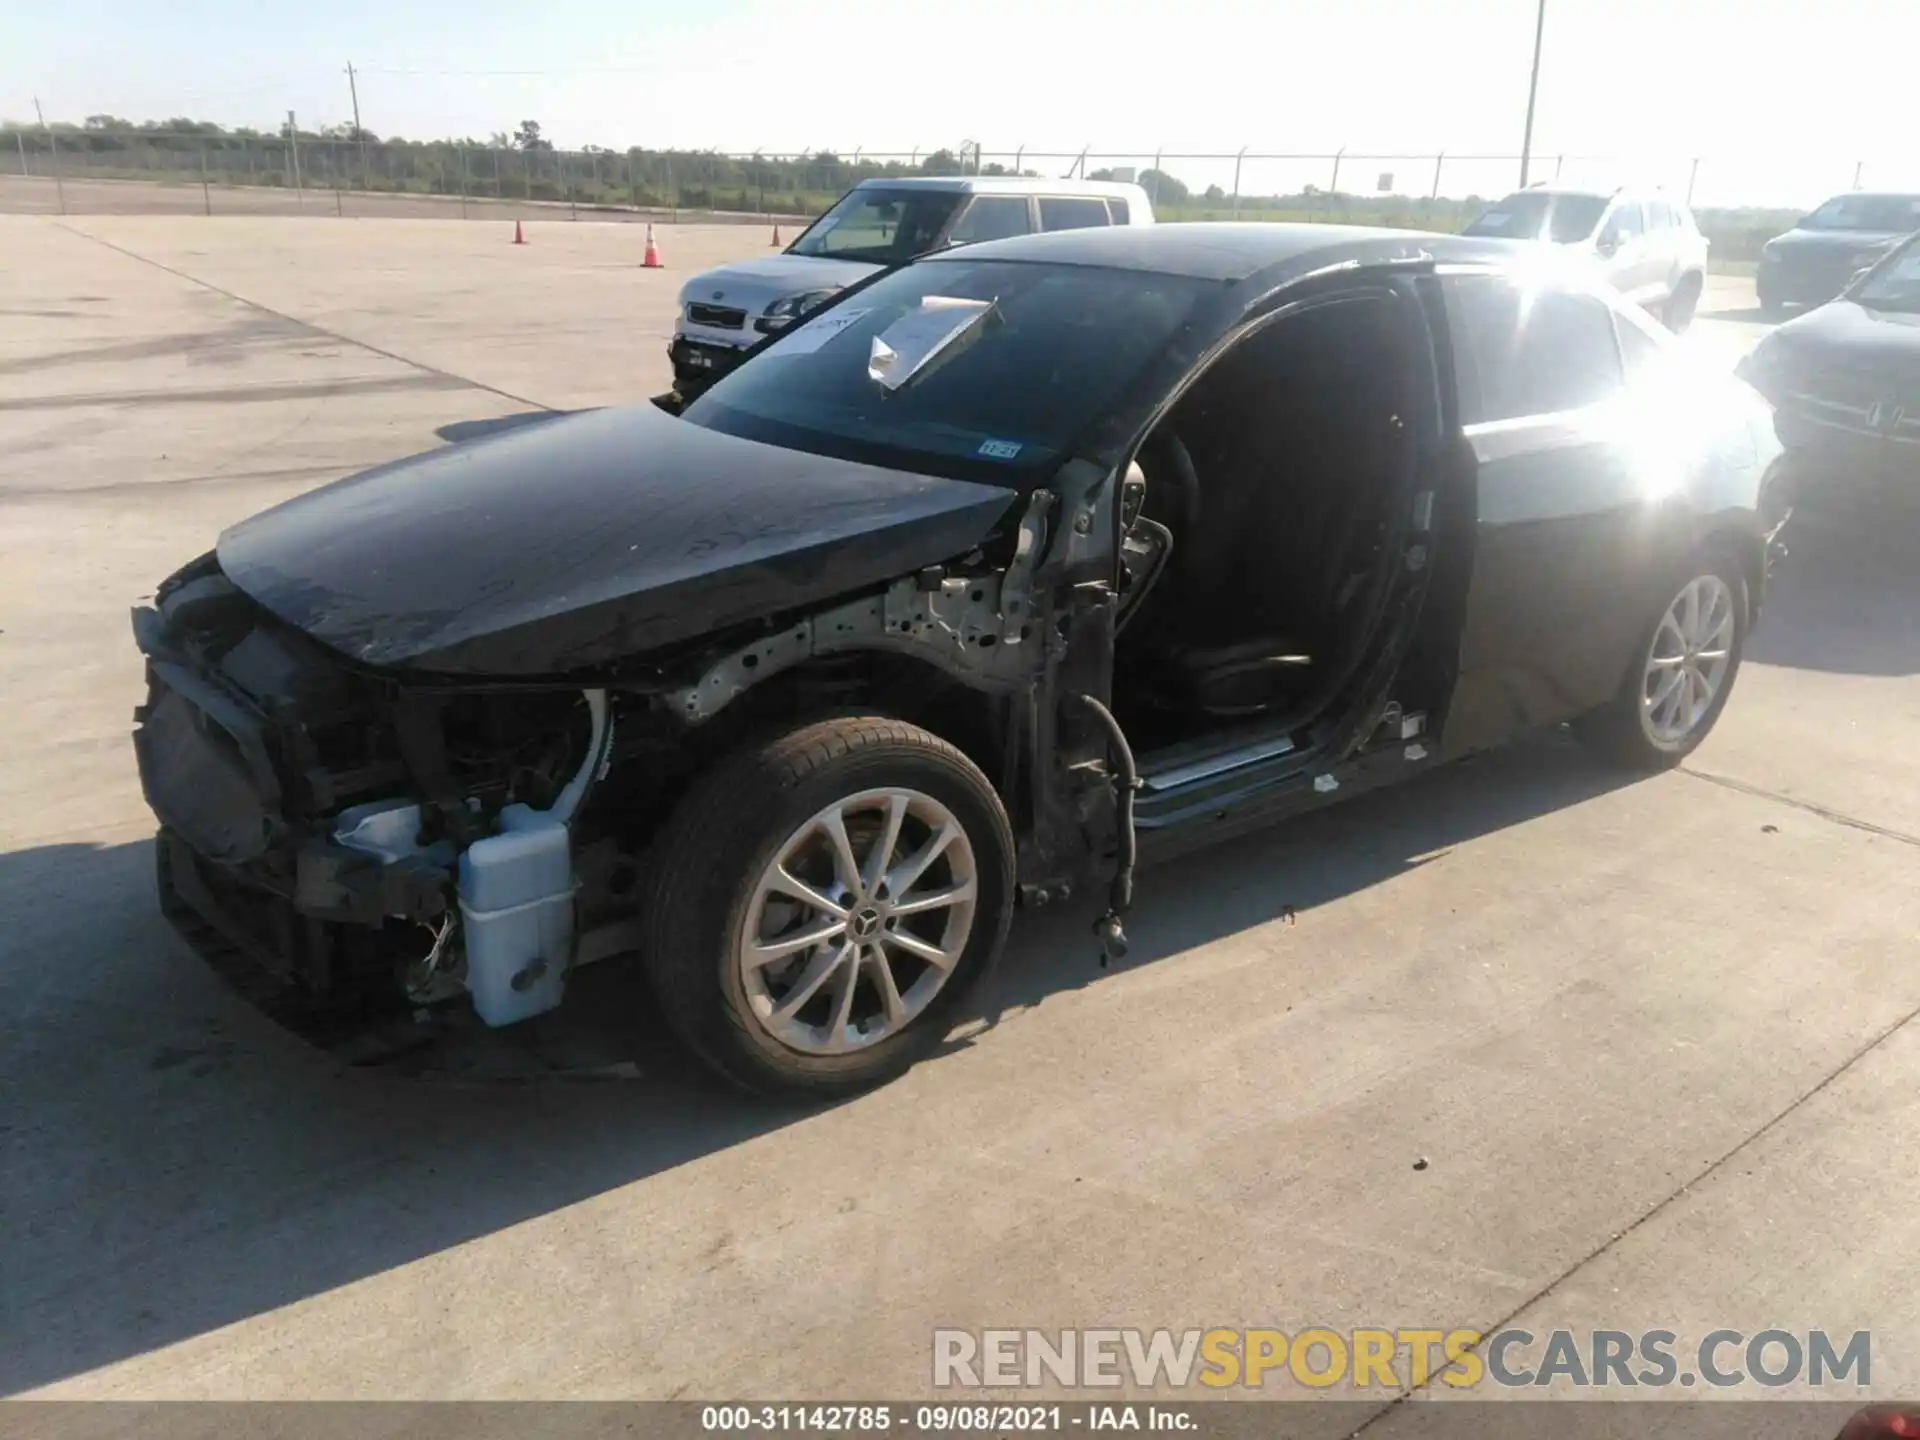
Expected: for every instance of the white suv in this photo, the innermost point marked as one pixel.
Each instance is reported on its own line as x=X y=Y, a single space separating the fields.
x=725 y=311
x=1645 y=244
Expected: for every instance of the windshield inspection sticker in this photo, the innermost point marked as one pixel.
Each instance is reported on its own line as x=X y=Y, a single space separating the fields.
x=999 y=449
x=815 y=333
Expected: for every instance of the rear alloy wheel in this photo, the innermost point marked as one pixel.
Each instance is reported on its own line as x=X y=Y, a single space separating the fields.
x=825 y=902
x=1678 y=685
x=1677 y=313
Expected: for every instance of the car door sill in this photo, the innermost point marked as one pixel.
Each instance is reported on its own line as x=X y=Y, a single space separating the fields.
x=1165 y=777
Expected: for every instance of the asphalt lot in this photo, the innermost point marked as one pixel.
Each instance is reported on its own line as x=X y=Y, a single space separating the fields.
x=1653 y=1040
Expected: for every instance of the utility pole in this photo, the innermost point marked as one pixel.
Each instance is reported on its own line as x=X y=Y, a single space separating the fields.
x=59 y=185
x=1533 y=90
x=359 y=135
x=293 y=155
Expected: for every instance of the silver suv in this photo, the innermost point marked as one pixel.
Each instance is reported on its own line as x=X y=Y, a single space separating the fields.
x=725 y=311
x=1645 y=244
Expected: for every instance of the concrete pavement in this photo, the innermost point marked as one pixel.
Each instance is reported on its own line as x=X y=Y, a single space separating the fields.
x=1652 y=1039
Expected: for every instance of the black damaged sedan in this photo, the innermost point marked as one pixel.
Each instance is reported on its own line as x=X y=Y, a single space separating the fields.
x=1002 y=574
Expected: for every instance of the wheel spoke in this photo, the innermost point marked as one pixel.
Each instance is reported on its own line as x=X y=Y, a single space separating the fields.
x=901 y=880
x=1663 y=662
x=890 y=1001
x=1690 y=615
x=765 y=952
x=1669 y=682
x=933 y=900
x=843 y=1004
x=845 y=868
x=785 y=882
x=811 y=979
x=921 y=949
x=1670 y=626
x=882 y=851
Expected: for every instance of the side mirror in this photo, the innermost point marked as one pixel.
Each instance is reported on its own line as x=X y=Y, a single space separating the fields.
x=1607 y=244
x=1857 y=276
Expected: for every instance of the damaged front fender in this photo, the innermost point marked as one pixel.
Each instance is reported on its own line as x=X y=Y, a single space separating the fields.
x=981 y=629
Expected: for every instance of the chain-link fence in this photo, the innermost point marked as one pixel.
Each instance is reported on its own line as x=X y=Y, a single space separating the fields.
x=1741 y=200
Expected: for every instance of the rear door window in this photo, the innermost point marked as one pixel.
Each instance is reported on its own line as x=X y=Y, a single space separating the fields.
x=1072 y=212
x=1625 y=223
x=1535 y=353
x=992 y=217
x=1118 y=208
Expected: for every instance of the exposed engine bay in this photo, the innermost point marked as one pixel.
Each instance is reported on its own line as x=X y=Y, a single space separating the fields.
x=378 y=843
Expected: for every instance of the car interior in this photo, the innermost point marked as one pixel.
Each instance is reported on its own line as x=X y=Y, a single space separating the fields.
x=1258 y=516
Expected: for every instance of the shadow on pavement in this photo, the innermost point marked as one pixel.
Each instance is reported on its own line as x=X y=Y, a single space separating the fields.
x=171 y=1163
x=459 y=432
x=1847 y=598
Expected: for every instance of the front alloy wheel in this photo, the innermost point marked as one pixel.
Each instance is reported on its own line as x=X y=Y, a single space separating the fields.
x=824 y=902
x=858 y=921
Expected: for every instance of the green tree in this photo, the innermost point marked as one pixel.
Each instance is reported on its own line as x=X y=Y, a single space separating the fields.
x=1164 y=188
x=528 y=137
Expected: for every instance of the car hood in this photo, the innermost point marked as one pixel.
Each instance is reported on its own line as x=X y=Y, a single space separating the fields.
x=1855 y=335
x=565 y=547
x=1816 y=245
x=755 y=284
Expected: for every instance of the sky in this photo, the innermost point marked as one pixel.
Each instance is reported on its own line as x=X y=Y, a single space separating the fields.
x=1769 y=94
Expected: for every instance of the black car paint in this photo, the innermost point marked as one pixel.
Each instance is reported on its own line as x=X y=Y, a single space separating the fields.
x=1810 y=267
x=1844 y=381
x=510 y=558
x=571 y=546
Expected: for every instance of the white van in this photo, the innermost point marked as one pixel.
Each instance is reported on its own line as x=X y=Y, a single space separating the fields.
x=879 y=223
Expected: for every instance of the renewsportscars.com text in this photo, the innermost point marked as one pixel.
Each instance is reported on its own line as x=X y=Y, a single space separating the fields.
x=1380 y=1359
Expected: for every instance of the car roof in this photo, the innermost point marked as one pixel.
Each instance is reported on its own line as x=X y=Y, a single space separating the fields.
x=1873 y=195
x=1229 y=250
x=1002 y=185
x=1598 y=192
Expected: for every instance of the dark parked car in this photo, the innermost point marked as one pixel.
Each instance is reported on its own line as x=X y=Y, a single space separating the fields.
x=1003 y=572
x=1845 y=383
x=1814 y=261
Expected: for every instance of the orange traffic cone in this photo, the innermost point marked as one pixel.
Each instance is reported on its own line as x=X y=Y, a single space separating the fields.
x=651 y=260
x=775 y=242
x=519 y=237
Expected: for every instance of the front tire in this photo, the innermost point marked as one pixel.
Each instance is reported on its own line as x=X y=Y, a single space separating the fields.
x=824 y=904
x=1682 y=673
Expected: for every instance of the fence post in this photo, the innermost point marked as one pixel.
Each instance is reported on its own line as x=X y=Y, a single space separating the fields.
x=573 y=210
x=463 y=180
x=1333 y=187
x=20 y=136
x=1236 y=180
x=206 y=195
x=1155 y=196
x=1438 y=161
x=1558 y=161
x=1858 y=166
x=1692 y=175
x=498 y=192
x=673 y=205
